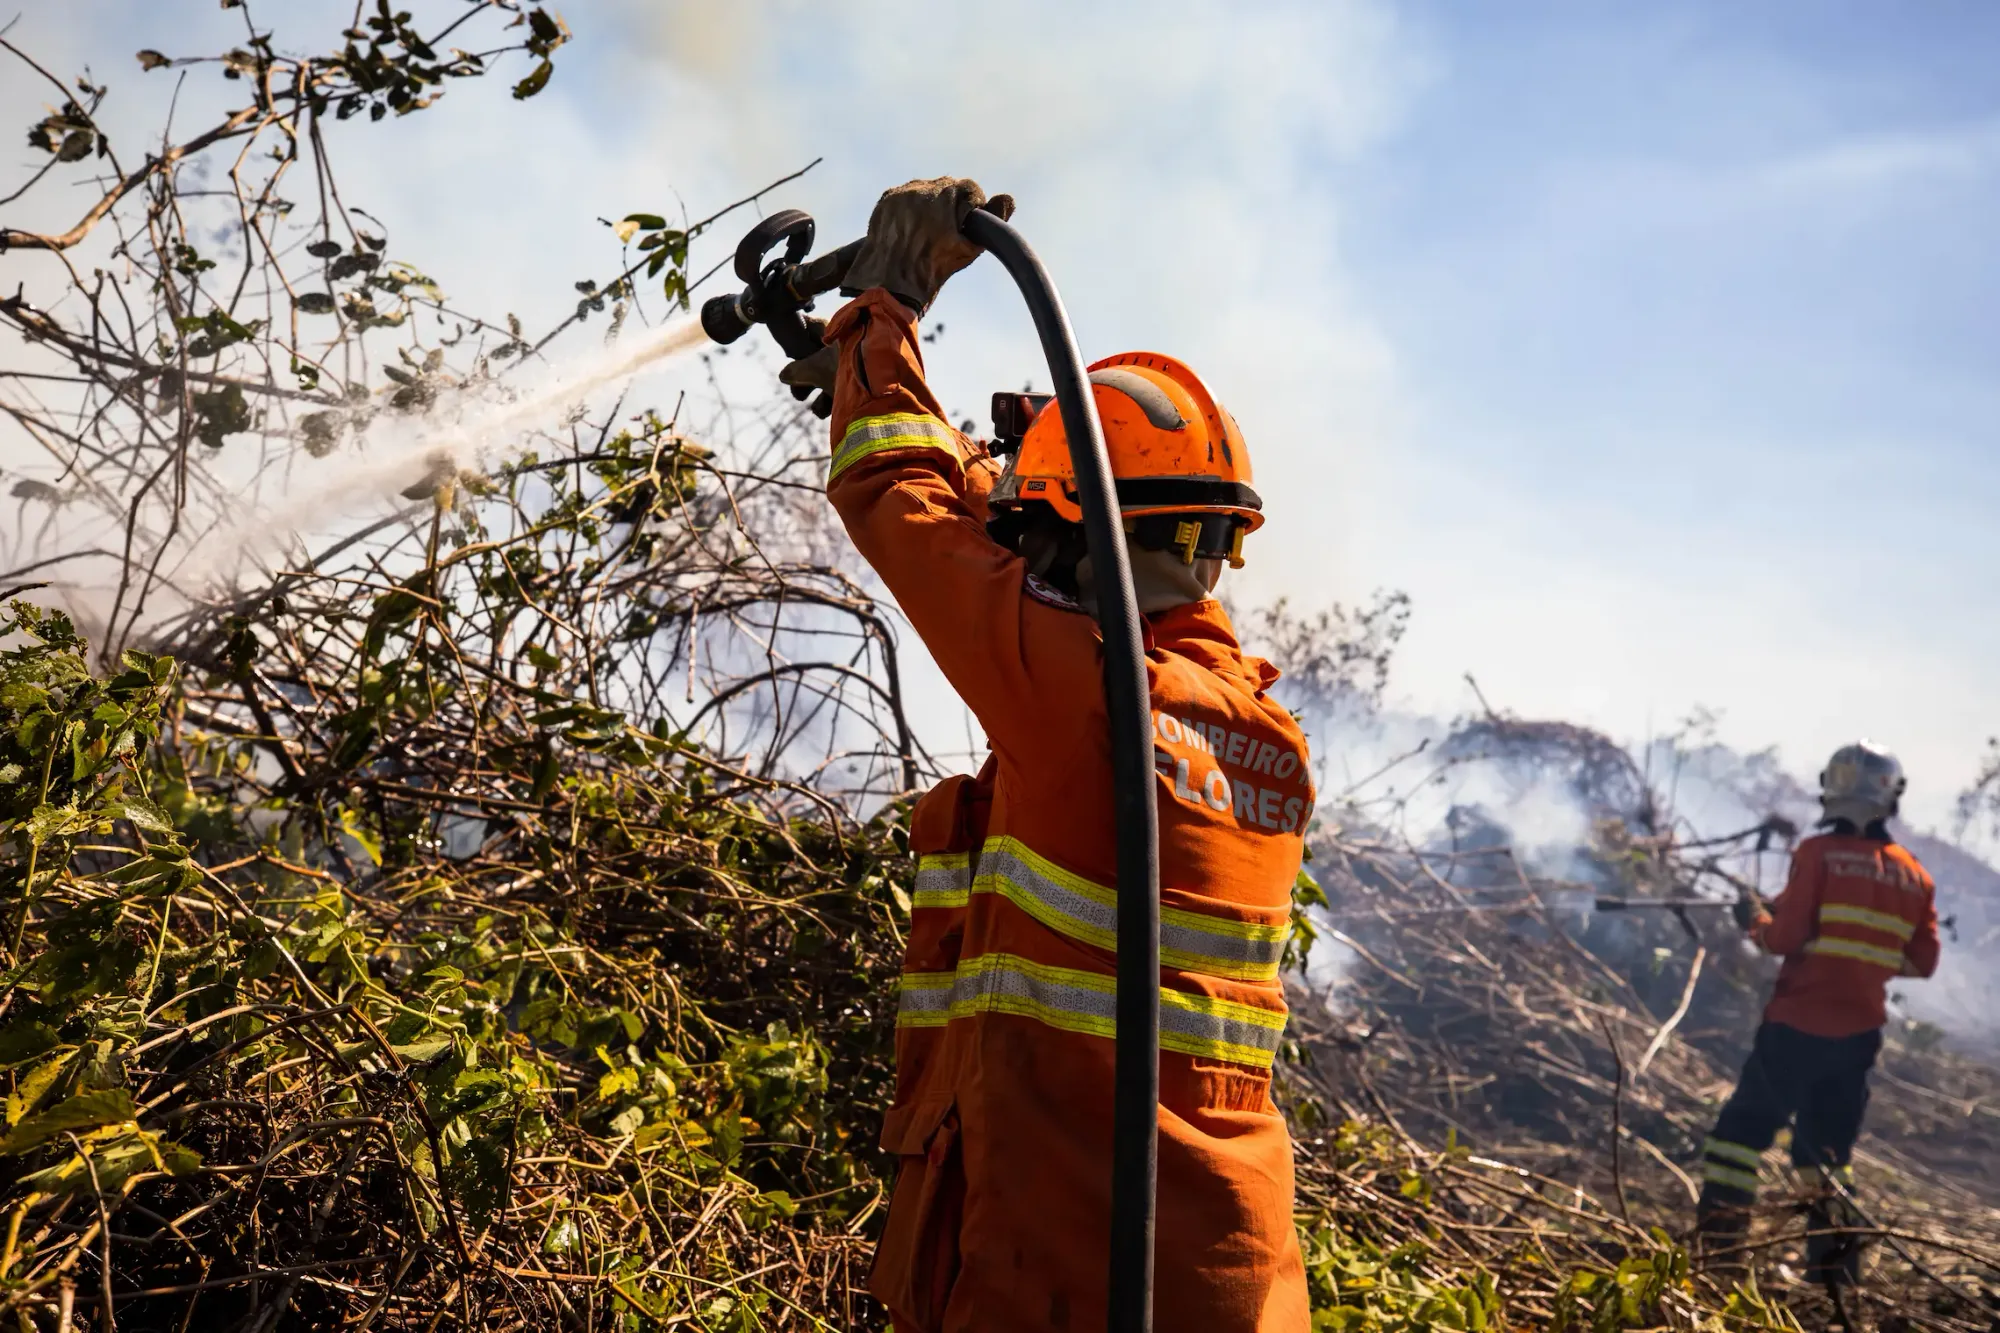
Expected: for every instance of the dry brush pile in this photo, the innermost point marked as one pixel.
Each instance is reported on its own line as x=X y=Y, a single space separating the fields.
x=400 y=957
x=472 y=920
x=1576 y=1057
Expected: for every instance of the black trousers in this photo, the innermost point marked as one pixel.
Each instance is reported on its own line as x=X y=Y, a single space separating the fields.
x=1819 y=1085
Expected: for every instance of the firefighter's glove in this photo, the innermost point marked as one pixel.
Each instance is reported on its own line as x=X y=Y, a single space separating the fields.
x=813 y=372
x=1748 y=910
x=914 y=244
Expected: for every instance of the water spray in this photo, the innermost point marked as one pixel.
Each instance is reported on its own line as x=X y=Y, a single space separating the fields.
x=425 y=458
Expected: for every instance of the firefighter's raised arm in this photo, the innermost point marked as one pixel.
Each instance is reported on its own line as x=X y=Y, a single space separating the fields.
x=912 y=491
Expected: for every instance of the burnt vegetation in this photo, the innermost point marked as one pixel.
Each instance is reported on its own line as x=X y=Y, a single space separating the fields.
x=488 y=917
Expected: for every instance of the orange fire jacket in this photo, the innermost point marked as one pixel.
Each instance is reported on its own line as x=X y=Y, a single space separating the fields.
x=1000 y=1219
x=1856 y=913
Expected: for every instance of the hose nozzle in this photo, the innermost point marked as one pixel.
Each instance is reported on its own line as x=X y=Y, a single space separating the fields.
x=724 y=319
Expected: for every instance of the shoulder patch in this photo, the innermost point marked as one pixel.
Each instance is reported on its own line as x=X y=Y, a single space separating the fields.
x=1048 y=595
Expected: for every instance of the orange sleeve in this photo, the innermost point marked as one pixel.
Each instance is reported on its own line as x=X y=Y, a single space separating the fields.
x=1920 y=955
x=911 y=492
x=883 y=406
x=1795 y=914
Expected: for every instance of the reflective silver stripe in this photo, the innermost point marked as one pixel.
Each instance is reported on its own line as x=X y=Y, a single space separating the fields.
x=1058 y=996
x=924 y=1000
x=1862 y=916
x=943 y=880
x=1081 y=909
x=1715 y=1173
x=898 y=430
x=1867 y=953
x=1732 y=1152
x=1086 y=1002
x=1220 y=1029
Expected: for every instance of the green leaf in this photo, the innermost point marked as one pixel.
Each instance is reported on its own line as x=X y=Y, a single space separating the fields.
x=145 y=814
x=474 y=1091
x=35 y=1086
x=321 y=431
x=562 y=1237
x=646 y=221
x=535 y=82
x=478 y=1176
x=221 y=413
x=58 y=821
x=81 y=1113
x=371 y=843
x=548 y=771
x=761 y=1210
x=24 y=1041
x=178 y=1159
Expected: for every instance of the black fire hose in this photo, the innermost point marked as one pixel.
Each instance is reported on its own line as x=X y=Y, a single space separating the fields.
x=1135 y=1115
x=777 y=293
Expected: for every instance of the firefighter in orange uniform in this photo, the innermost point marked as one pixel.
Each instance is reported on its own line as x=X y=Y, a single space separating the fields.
x=1000 y=1217
x=1857 y=912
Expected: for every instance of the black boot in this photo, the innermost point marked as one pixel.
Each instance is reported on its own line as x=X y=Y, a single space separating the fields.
x=1722 y=1231
x=1833 y=1250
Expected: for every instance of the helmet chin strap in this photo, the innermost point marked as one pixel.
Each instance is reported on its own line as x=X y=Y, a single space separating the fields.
x=1161 y=579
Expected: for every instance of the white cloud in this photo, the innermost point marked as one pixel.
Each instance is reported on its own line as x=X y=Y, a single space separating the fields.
x=1872 y=163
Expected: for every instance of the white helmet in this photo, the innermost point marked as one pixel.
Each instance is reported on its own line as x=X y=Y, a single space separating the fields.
x=1861 y=783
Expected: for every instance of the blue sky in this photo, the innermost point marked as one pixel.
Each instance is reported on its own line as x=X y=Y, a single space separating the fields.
x=1701 y=300
x=1647 y=347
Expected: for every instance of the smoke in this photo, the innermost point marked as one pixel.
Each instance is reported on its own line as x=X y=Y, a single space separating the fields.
x=1545 y=789
x=1173 y=166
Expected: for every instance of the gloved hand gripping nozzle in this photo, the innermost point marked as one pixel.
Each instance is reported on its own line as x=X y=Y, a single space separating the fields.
x=915 y=242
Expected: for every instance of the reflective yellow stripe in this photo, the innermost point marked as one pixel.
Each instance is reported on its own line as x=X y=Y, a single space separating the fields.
x=1086 y=1002
x=1084 y=910
x=1862 y=916
x=1733 y=1152
x=942 y=880
x=1717 y=1174
x=1219 y=1029
x=925 y=999
x=898 y=430
x=1846 y=948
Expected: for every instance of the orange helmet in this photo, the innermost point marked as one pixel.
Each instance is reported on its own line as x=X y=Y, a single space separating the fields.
x=1181 y=467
